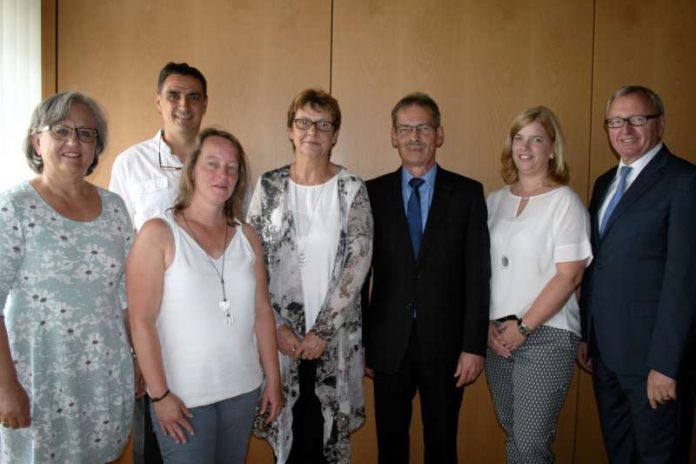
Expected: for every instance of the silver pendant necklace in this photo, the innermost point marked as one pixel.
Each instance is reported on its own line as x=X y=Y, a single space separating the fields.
x=223 y=304
x=301 y=239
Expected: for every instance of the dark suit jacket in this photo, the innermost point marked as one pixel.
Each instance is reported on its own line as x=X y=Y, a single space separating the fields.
x=447 y=285
x=638 y=299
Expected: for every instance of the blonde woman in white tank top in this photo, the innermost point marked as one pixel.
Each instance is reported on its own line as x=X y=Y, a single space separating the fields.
x=201 y=320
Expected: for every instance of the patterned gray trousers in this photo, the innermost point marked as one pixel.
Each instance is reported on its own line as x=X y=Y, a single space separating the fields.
x=529 y=389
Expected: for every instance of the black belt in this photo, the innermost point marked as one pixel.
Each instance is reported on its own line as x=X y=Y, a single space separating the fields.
x=511 y=317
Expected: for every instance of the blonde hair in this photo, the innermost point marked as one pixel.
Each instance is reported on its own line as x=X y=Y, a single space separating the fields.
x=558 y=169
x=234 y=205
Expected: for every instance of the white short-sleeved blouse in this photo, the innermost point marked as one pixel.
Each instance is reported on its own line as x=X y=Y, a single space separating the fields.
x=553 y=228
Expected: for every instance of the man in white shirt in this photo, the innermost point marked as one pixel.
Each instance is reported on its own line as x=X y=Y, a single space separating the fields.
x=638 y=301
x=146 y=176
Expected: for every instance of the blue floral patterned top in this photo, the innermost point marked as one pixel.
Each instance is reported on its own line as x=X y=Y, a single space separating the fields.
x=61 y=282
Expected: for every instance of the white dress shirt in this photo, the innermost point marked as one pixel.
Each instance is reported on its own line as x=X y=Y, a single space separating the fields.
x=145 y=187
x=637 y=166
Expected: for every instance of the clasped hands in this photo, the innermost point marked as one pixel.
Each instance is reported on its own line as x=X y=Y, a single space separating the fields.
x=308 y=347
x=504 y=337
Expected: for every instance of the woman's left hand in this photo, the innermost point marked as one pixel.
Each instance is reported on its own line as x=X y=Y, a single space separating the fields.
x=509 y=335
x=312 y=347
x=271 y=401
x=494 y=341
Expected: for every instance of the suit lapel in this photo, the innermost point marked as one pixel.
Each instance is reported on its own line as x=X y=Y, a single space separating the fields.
x=438 y=210
x=648 y=177
x=394 y=201
x=599 y=198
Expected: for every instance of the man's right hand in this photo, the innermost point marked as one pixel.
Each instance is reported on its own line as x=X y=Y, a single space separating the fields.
x=583 y=357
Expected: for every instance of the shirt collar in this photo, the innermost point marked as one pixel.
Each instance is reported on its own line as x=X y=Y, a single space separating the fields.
x=428 y=177
x=165 y=150
x=639 y=164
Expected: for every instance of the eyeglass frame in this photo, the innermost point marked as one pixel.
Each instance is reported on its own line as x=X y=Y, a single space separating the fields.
x=94 y=133
x=332 y=125
x=647 y=117
x=159 y=156
x=421 y=129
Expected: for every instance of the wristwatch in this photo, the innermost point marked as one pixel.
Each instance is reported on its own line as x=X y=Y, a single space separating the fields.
x=522 y=327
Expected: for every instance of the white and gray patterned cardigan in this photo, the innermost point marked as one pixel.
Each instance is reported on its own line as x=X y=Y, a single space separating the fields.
x=340 y=369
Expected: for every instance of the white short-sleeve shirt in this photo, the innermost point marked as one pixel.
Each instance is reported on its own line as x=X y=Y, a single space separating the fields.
x=553 y=228
x=146 y=188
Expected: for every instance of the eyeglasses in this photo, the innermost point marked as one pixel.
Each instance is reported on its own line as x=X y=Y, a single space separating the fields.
x=634 y=121
x=62 y=132
x=322 y=125
x=159 y=157
x=423 y=130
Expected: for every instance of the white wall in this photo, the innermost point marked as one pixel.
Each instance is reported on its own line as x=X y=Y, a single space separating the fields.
x=20 y=83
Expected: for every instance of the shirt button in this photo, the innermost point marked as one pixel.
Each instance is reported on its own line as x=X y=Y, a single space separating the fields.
x=505 y=261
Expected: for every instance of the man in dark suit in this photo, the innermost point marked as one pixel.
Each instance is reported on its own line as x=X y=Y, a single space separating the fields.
x=639 y=296
x=427 y=318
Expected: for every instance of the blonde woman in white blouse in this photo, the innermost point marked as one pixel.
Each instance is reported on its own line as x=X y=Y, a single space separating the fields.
x=540 y=247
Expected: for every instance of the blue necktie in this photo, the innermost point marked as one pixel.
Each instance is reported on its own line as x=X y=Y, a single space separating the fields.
x=414 y=214
x=620 y=189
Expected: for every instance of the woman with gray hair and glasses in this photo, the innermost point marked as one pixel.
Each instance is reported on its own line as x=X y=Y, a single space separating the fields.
x=66 y=370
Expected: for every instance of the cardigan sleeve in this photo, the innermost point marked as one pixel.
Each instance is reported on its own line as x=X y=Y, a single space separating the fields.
x=344 y=294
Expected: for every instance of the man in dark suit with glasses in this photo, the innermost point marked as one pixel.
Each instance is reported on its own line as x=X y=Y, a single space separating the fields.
x=426 y=324
x=638 y=301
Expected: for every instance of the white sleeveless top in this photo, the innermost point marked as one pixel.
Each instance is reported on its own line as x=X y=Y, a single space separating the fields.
x=317 y=217
x=205 y=360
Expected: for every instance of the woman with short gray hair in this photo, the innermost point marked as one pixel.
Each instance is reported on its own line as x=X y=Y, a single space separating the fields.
x=66 y=370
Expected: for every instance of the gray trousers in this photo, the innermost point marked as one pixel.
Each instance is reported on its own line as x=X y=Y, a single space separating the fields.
x=529 y=389
x=222 y=433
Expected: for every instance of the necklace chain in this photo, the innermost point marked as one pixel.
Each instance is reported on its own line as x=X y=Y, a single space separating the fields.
x=302 y=258
x=224 y=305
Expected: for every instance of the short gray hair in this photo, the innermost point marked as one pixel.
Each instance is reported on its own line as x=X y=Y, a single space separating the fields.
x=55 y=109
x=419 y=99
x=639 y=90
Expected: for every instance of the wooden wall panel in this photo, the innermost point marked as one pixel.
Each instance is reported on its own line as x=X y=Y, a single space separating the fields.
x=651 y=44
x=256 y=55
x=483 y=62
x=48 y=47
